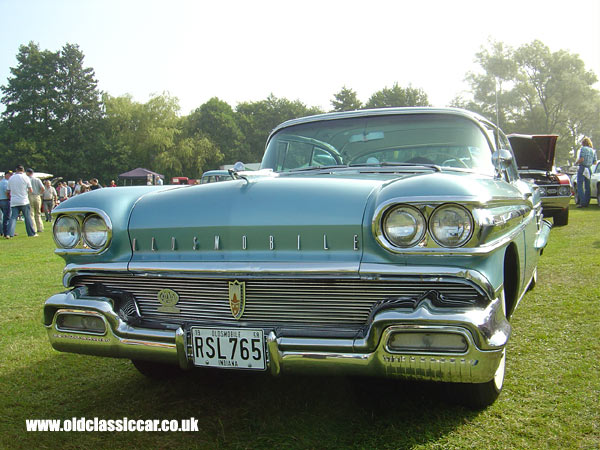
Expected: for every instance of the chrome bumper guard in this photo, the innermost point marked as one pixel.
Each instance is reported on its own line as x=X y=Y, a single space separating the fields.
x=485 y=331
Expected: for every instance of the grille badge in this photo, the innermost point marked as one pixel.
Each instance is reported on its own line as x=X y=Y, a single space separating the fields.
x=237 y=298
x=168 y=298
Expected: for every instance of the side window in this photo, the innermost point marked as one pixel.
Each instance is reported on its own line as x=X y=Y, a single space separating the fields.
x=322 y=157
x=298 y=155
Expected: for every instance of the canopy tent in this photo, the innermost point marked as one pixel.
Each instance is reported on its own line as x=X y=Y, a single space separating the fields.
x=140 y=176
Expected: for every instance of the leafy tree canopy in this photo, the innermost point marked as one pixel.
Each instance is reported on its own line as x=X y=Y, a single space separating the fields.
x=397 y=96
x=537 y=92
x=346 y=100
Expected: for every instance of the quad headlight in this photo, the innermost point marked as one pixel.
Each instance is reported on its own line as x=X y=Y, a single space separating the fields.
x=451 y=225
x=400 y=227
x=82 y=231
x=95 y=231
x=66 y=232
x=404 y=226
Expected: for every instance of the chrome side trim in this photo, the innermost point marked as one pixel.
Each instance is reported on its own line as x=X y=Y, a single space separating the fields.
x=543 y=234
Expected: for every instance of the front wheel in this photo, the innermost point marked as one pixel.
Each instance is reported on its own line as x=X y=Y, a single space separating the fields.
x=480 y=395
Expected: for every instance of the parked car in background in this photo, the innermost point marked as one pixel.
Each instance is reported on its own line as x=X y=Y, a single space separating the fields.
x=388 y=243
x=213 y=176
x=594 y=183
x=535 y=159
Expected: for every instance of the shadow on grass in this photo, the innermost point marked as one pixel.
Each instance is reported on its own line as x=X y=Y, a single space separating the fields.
x=234 y=409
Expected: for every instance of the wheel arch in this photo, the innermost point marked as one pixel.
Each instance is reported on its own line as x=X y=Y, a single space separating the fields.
x=512 y=278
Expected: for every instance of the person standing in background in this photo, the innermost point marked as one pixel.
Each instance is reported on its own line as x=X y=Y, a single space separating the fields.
x=5 y=204
x=35 y=201
x=19 y=187
x=587 y=157
x=78 y=185
x=63 y=193
x=49 y=199
x=94 y=184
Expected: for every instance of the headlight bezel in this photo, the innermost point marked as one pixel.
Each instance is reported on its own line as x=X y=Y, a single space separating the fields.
x=427 y=245
x=81 y=216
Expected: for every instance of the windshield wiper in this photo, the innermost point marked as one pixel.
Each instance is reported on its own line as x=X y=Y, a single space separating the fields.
x=304 y=169
x=398 y=164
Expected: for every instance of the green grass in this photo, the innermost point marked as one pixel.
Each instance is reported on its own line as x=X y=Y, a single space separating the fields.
x=551 y=397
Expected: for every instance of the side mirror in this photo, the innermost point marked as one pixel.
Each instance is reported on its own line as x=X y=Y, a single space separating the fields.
x=502 y=159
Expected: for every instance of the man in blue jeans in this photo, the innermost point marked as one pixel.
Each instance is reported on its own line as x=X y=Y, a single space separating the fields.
x=5 y=204
x=587 y=157
x=20 y=188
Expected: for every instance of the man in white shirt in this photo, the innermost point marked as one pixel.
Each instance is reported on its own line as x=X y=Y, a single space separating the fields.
x=35 y=201
x=20 y=188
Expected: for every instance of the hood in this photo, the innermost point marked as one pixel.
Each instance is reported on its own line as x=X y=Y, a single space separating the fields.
x=534 y=152
x=263 y=219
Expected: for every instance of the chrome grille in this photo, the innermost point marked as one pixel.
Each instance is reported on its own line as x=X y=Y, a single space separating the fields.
x=277 y=301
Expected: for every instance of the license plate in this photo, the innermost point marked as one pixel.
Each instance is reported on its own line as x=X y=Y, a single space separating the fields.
x=228 y=348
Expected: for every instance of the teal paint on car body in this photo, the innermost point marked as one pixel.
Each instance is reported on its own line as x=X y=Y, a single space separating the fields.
x=393 y=242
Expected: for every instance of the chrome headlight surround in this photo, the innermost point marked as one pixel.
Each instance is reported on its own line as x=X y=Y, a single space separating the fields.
x=84 y=219
x=382 y=216
x=462 y=222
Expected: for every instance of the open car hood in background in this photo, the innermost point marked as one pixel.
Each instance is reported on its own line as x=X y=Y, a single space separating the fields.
x=534 y=152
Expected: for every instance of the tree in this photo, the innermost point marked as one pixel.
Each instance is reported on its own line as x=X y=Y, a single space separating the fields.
x=30 y=98
x=216 y=120
x=539 y=92
x=397 y=97
x=53 y=110
x=345 y=100
x=257 y=119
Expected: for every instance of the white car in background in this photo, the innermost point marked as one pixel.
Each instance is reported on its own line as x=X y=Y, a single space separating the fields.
x=594 y=183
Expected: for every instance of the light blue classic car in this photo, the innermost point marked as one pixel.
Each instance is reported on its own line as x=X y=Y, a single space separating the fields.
x=390 y=243
x=213 y=176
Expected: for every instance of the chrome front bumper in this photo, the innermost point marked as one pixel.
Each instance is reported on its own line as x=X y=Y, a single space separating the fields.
x=485 y=330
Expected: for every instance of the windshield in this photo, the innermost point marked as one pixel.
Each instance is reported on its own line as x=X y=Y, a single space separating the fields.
x=416 y=139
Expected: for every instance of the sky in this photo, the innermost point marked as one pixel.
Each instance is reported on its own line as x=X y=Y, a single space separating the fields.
x=241 y=51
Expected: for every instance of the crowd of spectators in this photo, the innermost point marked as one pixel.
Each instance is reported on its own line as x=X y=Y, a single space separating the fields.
x=25 y=197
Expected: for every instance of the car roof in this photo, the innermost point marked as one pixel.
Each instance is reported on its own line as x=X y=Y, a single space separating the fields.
x=380 y=112
x=209 y=173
